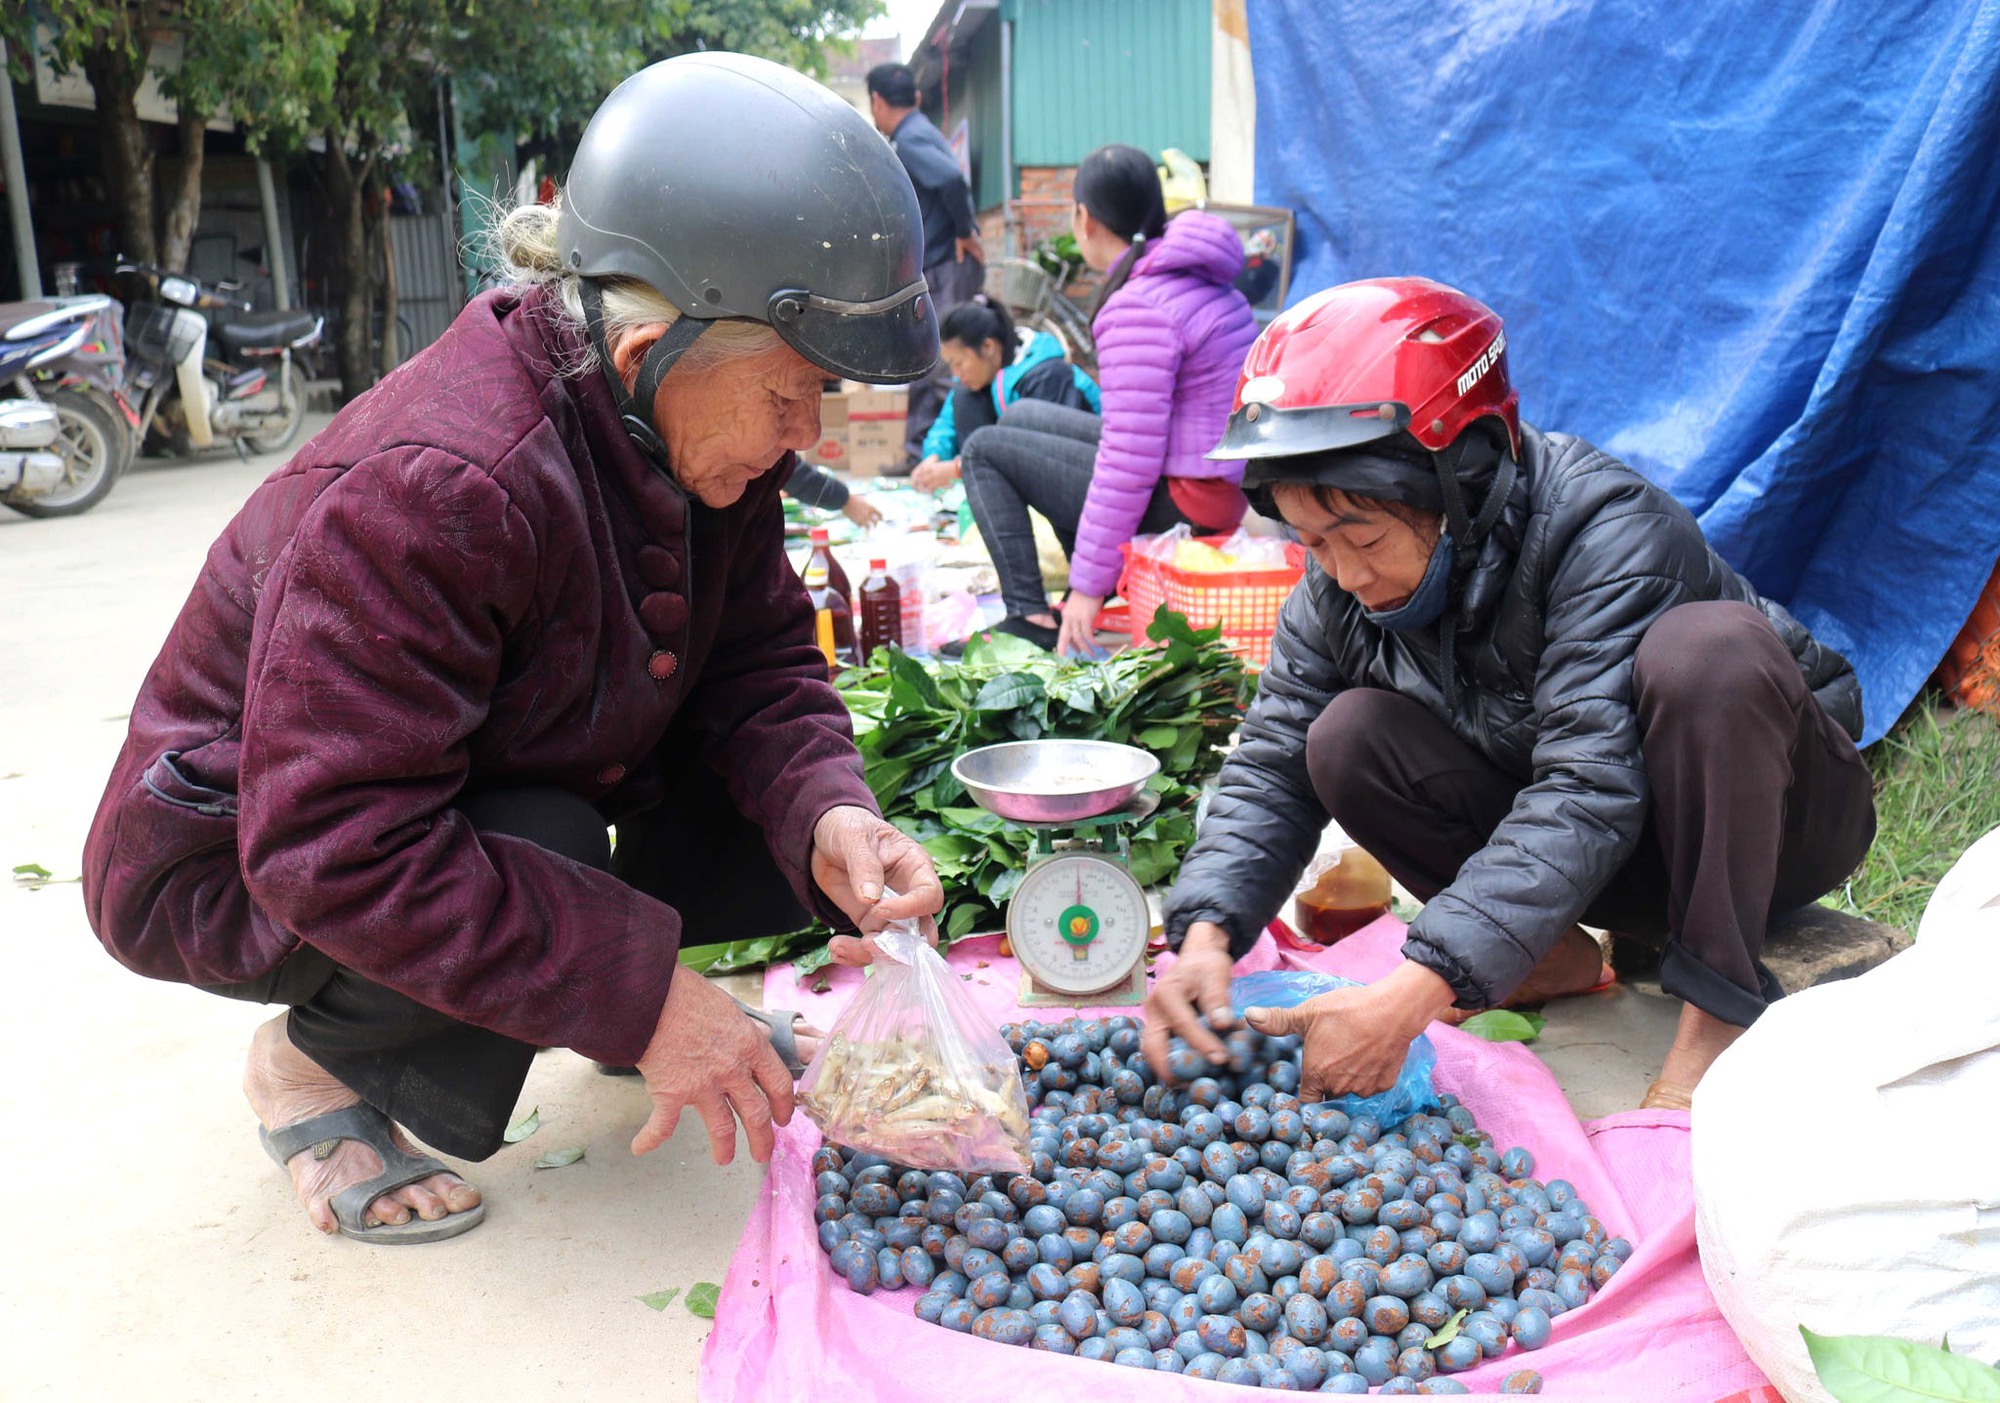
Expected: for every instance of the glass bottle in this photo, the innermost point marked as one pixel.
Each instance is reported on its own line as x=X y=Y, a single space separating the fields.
x=1352 y=889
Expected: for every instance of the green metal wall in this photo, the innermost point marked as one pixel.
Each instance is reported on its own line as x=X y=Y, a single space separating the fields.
x=984 y=87
x=1087 y=72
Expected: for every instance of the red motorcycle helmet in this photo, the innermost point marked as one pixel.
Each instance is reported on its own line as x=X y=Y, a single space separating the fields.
x=1366 y=361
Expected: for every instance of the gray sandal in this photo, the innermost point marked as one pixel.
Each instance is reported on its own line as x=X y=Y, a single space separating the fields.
x=399 y=1169
x=783 y=1024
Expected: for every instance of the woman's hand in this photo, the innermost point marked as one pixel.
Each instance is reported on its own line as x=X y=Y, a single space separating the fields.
x=1356 y=1039
x=1196 y=983
x=706 y=1054
x=861 y=511
x=1078 y=634
x=856 y=857
x=934 y=475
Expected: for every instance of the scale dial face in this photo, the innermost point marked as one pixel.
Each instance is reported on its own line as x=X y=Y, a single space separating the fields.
x=1078 y=924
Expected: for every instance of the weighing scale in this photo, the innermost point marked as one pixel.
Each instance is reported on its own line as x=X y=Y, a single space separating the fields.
x=1078 y=922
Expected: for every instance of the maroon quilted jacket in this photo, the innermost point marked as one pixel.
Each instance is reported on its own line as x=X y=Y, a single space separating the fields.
x=470 y=578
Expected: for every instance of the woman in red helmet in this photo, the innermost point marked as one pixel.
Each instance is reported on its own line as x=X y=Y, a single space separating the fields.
x=1517 y=674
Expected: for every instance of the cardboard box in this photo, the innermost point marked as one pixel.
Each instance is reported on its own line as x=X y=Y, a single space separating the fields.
x=874 y=446
x=875 y=401
x=831 y=451
x=877 y=418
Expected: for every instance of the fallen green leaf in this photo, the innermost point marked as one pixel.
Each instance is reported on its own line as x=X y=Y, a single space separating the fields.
x=560 y=1159
x=1504 y=1025
x=660 y=1300
x=1448 y=1331
x=1877 y=1369
x=701 y=1299
x=32 y=869
x=524 y=1127
x=813 y=961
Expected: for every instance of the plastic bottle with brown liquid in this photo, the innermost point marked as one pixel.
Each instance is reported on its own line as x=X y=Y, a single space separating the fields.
x=881 y=609
x=841 y=594
x=1352 y=890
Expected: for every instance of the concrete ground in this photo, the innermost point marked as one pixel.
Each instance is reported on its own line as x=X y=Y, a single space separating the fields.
x=155 y=1253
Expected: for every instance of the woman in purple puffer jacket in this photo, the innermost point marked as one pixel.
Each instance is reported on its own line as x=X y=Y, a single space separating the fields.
x=1172 y=331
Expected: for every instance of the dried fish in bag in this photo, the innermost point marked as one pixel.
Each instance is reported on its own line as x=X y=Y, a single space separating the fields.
x=913 y=1072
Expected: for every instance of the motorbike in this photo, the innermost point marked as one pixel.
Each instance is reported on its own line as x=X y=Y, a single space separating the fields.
x=252 y=397
x=65 y=360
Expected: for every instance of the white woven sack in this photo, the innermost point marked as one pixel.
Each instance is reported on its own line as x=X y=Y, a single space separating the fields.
x=1846 y=1151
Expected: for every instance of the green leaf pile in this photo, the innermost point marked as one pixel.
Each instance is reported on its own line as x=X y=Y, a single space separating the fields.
x=1182 y=702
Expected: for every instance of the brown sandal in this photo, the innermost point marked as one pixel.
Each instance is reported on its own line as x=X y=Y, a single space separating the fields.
x=1668 y=1096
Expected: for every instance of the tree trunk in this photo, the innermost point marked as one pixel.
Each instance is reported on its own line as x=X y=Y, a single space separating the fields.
x=184 y=201
x=392 y=351
x=347 y=186
x=128 y=157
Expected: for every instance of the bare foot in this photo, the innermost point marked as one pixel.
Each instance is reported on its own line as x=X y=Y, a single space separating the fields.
x=1699 y=1040
x=284 y=1086
x=1574 y=966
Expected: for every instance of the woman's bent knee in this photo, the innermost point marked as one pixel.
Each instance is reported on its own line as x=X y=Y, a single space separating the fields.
x=1343 y=744
x=1711 y=653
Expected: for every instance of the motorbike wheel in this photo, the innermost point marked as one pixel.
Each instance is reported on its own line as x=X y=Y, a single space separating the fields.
x=283 y=433
x=92 y=447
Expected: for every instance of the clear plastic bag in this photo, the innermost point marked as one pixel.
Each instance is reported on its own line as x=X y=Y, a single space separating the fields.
x=1286 y=988
x=1163 y=546
x=914 y=1073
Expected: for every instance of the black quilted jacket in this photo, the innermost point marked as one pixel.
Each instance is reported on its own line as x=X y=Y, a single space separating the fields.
x=1585 y=557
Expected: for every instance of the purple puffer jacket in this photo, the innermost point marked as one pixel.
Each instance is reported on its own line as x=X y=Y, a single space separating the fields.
x=1170 y=346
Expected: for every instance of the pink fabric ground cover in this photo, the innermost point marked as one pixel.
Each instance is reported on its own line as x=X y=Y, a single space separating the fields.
x=787 y=1329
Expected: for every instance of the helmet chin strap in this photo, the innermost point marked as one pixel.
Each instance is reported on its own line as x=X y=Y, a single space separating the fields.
x=635 y=406
x=1466 y=536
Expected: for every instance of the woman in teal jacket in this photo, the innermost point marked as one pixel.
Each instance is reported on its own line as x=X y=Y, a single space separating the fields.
x=993 y=372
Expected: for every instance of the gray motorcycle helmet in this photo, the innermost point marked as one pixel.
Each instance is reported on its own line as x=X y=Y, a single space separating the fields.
x=735 y=187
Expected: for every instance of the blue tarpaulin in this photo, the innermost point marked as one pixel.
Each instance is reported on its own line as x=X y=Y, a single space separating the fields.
x=1751 y=249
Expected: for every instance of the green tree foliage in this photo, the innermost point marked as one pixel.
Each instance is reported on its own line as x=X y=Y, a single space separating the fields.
x=234 y=59
x=535 y=67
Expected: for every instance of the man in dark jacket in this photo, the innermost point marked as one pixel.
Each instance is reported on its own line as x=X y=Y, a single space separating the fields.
x=954 y=263
x=1518 y=676
x=531 y=584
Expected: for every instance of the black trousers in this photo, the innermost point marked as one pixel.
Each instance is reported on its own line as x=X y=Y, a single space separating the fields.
x=454 y=1085
x=1039 y=455
x=1760 y=802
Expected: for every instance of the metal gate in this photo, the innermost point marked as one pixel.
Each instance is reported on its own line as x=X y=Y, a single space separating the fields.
x=429 y=285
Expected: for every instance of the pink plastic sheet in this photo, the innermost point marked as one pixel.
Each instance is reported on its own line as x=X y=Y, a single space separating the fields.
x=786 y=1329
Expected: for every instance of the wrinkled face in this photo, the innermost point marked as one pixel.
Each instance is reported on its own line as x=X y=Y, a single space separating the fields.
x=729 y=422
x=1376 y=554
x=975 y=369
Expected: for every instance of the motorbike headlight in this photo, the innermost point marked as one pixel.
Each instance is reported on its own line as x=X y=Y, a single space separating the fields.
x=180 y=291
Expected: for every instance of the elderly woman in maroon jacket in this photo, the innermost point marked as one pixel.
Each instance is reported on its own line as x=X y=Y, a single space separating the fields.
x=530 y=584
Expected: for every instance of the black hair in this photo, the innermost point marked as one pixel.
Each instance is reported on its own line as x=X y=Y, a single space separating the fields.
x=894 y=83
x=972 y=324
x=1120 y=187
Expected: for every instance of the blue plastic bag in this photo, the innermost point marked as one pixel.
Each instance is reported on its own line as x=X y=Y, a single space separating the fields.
x=1283 y=988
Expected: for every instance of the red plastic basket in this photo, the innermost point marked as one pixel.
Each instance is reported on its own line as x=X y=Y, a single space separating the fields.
x=1244 y=602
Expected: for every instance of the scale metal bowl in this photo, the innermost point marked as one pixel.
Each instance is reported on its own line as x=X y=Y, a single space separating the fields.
x=1054 y=781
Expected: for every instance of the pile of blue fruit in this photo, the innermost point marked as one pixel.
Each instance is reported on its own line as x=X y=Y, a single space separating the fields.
x=1222 y=1230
